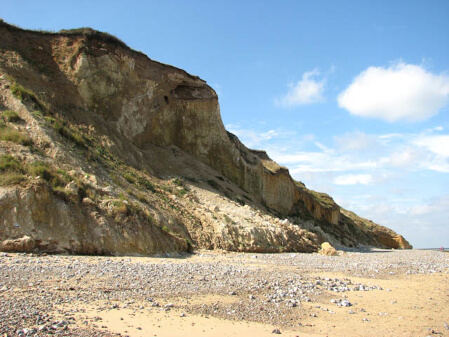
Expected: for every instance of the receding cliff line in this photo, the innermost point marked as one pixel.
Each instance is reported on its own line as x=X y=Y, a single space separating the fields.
x=91 y=78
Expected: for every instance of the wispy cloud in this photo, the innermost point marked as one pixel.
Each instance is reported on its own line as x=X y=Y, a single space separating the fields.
x=360 y=158
x=400 y=92
x=419 y=220
x=301 y=162
x=255 y=139
x=421 y=152
x=376 y=175
x=308 y=90
x=439 y=204
x=354 y=158
x=357 y=141
x=438 y=145
x=352 y=179
x=405 y=157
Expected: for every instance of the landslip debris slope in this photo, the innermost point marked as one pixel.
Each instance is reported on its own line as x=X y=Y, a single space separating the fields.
x=105 y=151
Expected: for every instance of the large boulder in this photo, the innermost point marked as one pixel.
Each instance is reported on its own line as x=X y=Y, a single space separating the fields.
x=327 y=249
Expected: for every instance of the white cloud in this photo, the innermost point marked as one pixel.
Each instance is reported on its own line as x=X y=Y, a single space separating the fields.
x=390 y=178
x=362 y=153
x=421 y=152
x=256 y=139
x=356 y=141
x=323 y=147
x=307 y=91
x=405 y=158
x=439 y=145
x=401 y=92
x=422 y=222
x=352 y=179
x=301 y=161
x=252 y=138
x=437 y=205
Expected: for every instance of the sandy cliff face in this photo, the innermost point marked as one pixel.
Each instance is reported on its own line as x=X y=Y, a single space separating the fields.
x=150 y=103
x=135 y=105
x=54 y=225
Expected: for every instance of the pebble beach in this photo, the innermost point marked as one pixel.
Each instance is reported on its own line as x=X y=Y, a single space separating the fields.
x=210 y=293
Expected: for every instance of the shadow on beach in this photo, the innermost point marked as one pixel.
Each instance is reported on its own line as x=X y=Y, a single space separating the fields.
x=365 y=249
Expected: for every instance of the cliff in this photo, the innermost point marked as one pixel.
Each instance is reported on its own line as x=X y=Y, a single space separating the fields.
x=147 y=139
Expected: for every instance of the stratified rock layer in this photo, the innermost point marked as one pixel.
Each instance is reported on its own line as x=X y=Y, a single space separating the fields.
x=139 y=107
x=60 y=227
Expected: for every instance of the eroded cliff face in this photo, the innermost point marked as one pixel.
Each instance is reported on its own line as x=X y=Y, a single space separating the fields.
x=53 y=225
x=150 y=103
x=135 y=104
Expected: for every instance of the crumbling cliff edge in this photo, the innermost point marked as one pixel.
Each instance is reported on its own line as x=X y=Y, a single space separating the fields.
x=126 y=155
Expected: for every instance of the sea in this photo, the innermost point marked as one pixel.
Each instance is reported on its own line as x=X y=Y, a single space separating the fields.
x=445 y=249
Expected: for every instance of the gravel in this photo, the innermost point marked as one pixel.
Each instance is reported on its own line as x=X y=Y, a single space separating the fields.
x=43 y=294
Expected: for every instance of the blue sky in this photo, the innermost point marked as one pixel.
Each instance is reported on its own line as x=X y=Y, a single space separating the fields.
x=352 y=96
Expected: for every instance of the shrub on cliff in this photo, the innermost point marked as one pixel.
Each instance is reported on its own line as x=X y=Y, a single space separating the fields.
x=12 y=170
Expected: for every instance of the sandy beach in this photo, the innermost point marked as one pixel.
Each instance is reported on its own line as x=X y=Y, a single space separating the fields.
x=371 y=293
